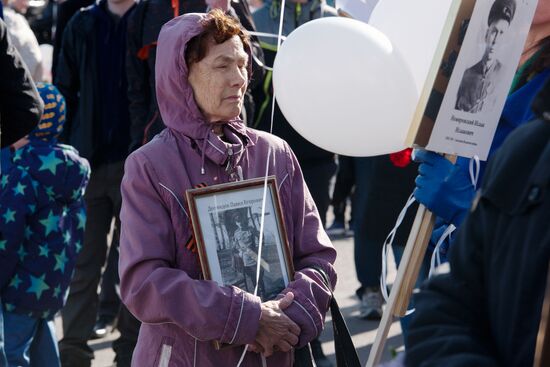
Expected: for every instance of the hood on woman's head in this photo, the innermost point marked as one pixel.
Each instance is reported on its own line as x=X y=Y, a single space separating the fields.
x=53 y=118
x=175 y=98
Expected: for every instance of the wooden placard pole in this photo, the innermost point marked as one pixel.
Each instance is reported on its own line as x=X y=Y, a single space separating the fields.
x=407 y=273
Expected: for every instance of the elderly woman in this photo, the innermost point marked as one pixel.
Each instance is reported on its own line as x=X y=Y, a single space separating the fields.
x=202 y=73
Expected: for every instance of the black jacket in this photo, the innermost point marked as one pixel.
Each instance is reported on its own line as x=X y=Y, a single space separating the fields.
x=20 y=105
x=486 y=311
x=65 y=12
x=78 y=79
x=143 y=29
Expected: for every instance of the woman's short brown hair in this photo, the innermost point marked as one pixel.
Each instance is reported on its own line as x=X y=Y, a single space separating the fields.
x=219 y=27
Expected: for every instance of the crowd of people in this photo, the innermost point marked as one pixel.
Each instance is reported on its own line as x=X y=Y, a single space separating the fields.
x=99 y=148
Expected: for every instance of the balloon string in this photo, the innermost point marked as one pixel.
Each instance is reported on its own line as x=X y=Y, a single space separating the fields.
x=435 y=260
x=267 y=35
x=279 y=39
x=474 y=168
x=387 y=245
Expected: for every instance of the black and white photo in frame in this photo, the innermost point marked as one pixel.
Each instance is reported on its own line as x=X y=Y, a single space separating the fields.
x=226 y=221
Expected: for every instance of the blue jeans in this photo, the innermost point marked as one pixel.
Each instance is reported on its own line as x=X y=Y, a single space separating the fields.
x=3 y=361
x=29 y=342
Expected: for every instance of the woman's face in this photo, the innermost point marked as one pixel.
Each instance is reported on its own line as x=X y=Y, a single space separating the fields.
x=220 y=79
x=542 y=13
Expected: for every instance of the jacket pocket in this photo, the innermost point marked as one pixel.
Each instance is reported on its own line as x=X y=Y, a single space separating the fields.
x=165 y=352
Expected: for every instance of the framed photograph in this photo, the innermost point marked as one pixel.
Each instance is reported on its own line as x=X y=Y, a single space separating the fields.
x=226 y=222
x=467 y=87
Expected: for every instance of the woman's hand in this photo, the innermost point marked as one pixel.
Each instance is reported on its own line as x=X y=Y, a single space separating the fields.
x=277 y=331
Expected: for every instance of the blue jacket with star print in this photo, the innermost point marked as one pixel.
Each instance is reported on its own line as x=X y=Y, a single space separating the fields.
x=42 y=218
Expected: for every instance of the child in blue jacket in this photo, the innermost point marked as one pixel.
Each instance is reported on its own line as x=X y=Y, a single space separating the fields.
x=42 y=218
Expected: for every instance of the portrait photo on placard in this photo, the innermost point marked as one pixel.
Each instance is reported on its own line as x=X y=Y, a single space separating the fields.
x=481 y=78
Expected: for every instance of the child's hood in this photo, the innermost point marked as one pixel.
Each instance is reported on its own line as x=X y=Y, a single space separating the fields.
x=57 y=168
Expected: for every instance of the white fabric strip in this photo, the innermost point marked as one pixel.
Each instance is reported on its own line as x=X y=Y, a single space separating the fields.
x=165 y=354
x=260 y=244
x=284 y=179
x=387 y=245
x=435 y=261
x=239 y=321
x=175 y=197
x=474 y=170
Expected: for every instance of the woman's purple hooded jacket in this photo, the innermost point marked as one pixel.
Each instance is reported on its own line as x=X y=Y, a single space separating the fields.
x=160 y=277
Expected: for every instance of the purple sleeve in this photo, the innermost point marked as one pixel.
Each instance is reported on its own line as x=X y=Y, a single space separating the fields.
x=310 y=247
x=153 y=289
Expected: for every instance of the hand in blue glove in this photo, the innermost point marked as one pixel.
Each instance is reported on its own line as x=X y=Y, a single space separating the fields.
x=444 y=188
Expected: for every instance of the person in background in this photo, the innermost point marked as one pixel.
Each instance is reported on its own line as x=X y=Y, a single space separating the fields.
x=109 y=299
x=318 y=165
x=41 y=230
x=24 y=40
x=65 y=11
x=143 y=30
x=382 y=186
x=486 y=310
x=20 y=104
x=343 y=189
x=91 y=75
x=202 y=72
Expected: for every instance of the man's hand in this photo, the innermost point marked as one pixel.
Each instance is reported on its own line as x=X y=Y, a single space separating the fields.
x=277 y=331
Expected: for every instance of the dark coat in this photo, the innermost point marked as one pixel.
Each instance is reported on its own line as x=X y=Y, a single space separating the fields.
x=486 y=311
x=65 y=11
x=78 y=79
x=20 y=105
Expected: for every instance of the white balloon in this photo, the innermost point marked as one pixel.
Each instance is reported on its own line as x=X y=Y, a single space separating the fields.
x=414 y=28
x=342 y=86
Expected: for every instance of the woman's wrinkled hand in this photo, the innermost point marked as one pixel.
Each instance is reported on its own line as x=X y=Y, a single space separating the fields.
x=277 y=331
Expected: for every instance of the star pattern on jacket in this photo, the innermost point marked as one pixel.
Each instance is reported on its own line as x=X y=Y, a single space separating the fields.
x=49 y=162
x=67 y=237
x=76 y=194
x=28 y=233
x=19 y=189
x=15 y=281
x=39 y=216
x=17 y=155
x=4 y=181
x=9 y=216
x=38 y=286
x=22 y=253
x=57 y=291
x=51 y=223
x=81 y=219
x=60 y=261
x=44 y=250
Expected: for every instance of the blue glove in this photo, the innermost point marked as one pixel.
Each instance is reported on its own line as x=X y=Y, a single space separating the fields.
x=444 y=188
